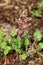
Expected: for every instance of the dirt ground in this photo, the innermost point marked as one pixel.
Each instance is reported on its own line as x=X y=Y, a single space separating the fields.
x=15 y=13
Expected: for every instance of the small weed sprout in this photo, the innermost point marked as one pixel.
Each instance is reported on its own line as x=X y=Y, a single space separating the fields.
x=37 y=12
x=40 y=4
x=37 y=34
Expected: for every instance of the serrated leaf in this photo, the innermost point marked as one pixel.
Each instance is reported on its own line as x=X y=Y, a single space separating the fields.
x=26 y=35
x=7 y=49
x=13 y=32
x=8 y=38
x=40 y=45
x=19 y=42
x=27 y=42
x=3 y=45
x=38 y=35
x=1 y=36
x=23 y=56
x=36 y=13
x=18 y=50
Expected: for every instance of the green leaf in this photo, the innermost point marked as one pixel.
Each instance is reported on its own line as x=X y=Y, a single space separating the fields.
x=14 y=32
x=16 y=44
x=27 y=42
x=26 y=35
x=23 y=56
x=7 y=49
x=19 y=42
x=1 y=36
x=38 y=35
x=18 y=50
x=8 y=38
x=36 y=13
x=40 y=4
x=3 y=45
x=40 y=45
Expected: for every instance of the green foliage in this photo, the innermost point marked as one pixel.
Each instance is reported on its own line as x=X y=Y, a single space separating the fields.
x=26 y=35
x=1 y=36
x=8 y=38
x=17 y=44
x=38 y=35
x=7 y=49
x=40 y=45
x=3 y=44
x=36 y=13
x=13 y=32
x=21 y=45
x=1 y=53
x=23 y=56
x=40 y=4
x=27 y=42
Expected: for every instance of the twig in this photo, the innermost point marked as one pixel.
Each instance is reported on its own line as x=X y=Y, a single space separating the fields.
x=4 y=4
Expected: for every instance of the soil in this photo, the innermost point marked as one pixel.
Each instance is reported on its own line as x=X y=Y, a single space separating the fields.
x=16 y=14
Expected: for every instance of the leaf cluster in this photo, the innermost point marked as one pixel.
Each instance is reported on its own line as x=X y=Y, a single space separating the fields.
x=21 y=45
x=37 y=12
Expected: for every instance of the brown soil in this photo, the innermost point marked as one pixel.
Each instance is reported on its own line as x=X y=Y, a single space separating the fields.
x=15 y=13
